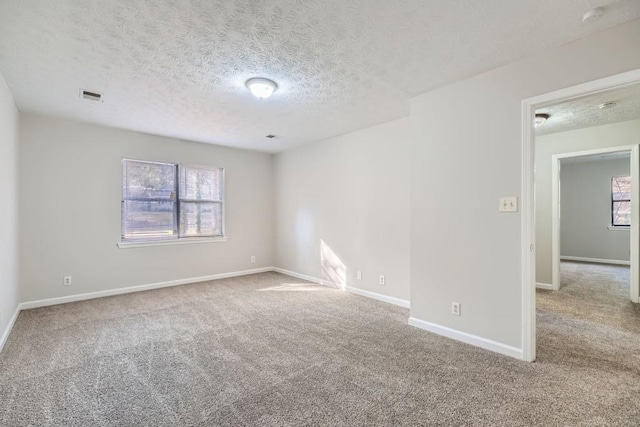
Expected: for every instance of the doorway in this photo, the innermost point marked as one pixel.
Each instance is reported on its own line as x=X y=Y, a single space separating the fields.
x=595 y=235
x=530 y=249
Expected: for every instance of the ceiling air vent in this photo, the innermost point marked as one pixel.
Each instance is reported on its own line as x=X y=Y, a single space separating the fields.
x=91 y=96
x=606 y=105
x=271 y=136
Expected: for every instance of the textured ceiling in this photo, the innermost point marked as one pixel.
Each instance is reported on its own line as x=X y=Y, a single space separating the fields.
x=584 y=112
x=178 y=67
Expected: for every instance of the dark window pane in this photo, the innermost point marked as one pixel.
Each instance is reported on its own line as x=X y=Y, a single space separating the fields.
x=621 y=213
x=148 y=220
x=147 y=180
x=200 y=183
x=200 y=219
x=621 y=188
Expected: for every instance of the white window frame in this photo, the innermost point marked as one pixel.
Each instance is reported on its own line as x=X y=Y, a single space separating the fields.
x=132 y=243
x=613 y=225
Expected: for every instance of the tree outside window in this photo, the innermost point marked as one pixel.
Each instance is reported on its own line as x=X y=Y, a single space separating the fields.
x=621 y=201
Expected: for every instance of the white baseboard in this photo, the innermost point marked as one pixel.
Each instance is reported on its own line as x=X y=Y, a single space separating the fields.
x=119 y=291
x=308 y=278
x=380 y=297
x=547 y=286
x=487 y=344
x=7 y=330
x=357 y=291
x=595 y=260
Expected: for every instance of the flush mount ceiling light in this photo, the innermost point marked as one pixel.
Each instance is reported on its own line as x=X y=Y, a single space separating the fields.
x=261 y=88
x=593 y=15
x=541 y=118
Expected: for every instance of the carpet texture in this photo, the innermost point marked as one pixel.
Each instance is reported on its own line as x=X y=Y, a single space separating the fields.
x=270 y=350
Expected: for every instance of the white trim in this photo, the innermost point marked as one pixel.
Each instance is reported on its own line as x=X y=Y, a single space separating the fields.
x=380 y=297
x=546 y=286
x=596 y=151
x=528 y=236
x=577 y=91
x=7 y=331
x=120 y=291
x=308 y=278
x=618 y=227
x=634 y=253
x=357 y=291
x=475 y=340
x=595 y=260
x=529 y=105
x=182 y=241
x=555 y=222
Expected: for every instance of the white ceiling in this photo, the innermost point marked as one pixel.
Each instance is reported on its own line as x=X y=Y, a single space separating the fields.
x=584 y=112
x=178 y=67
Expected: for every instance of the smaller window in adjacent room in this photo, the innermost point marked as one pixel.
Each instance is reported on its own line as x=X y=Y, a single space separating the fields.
x=168 y=201
x=621 y=201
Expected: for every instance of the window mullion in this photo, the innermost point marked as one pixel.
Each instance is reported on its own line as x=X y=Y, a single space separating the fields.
x=176 y=217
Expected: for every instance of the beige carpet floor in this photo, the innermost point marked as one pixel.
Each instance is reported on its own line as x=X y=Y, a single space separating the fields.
x=269 y=350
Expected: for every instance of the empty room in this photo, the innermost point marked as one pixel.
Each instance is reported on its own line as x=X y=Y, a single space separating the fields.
x=292 y=213
x=586 y=263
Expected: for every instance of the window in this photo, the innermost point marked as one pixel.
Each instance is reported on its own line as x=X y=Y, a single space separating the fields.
x=621 y=201
x=167 y=201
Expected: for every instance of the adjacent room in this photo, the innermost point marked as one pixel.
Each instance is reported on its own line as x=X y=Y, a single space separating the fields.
x=586 y=170
x=289 y=213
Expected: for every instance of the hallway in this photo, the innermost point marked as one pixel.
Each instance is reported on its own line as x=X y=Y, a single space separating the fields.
x=590 y=321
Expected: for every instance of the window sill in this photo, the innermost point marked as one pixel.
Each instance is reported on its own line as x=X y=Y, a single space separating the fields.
x=184 y=241
x=619 y=227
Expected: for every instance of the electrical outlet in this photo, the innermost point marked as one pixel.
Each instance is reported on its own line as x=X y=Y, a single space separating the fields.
x=455 y=308
x=359 y=275
x=253 y=258
x=381 y=280
x=66 y=281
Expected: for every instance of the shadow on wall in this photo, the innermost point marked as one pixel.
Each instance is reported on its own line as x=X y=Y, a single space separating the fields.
x=332 y=268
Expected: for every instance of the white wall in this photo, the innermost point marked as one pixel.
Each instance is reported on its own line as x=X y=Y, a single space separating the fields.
x=586 y=210
x=342 y=205
x=9 y=294
x=611 y=135
x=70 y=189
x=465 y=154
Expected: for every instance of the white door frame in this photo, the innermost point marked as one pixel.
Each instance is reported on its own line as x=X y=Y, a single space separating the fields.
x=528 y=237
x=634 y=238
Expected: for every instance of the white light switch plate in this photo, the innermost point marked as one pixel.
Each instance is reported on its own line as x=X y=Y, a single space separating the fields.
x=508 y=204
